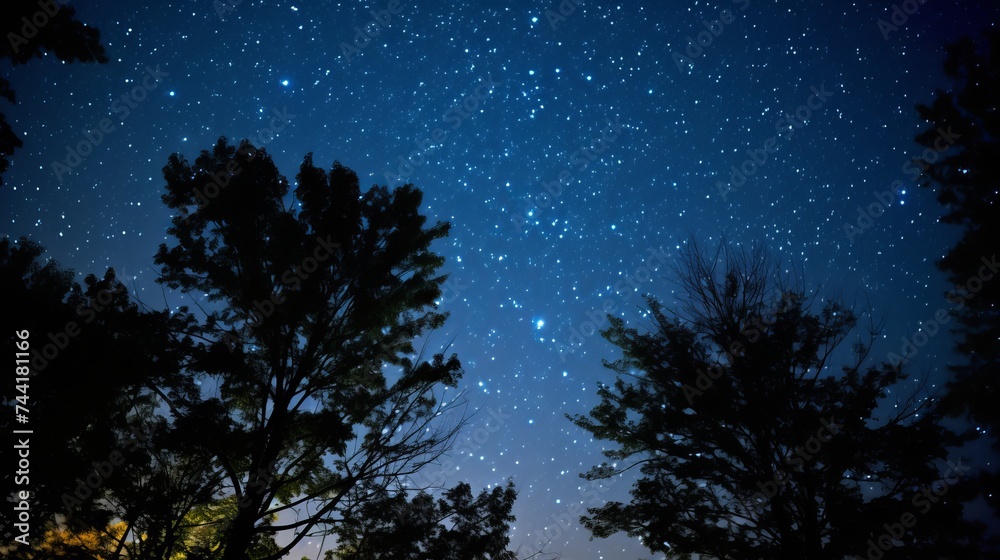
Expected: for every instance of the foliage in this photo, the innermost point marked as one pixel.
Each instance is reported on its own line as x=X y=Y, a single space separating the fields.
x=749 y=444
x=457 y=526
x=968 y=186
x=88 y=406
x=309 y=304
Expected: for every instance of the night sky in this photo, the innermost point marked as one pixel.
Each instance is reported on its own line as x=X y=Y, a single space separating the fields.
x=491 y=102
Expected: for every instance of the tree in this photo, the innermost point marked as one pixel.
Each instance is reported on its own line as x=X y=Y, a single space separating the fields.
x=968 y=185
x=455 y=527
x=747 y=442
x=169 y=482
x=58 y=543
x=203 y=532
x=30 y=29
x=94 y=411
x=307 y=341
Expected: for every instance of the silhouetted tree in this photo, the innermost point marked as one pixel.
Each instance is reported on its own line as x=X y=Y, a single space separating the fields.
x=96 y=365
x=967 y=180
x=306 y=348
x=751 y=444
x=457 y=526
x=31 y=27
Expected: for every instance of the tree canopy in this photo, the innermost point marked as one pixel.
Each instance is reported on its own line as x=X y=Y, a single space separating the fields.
x=456 y=526
x=751 y=443
x=309 y=298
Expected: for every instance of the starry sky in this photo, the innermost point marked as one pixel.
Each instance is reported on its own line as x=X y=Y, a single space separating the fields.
x=574 y=146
